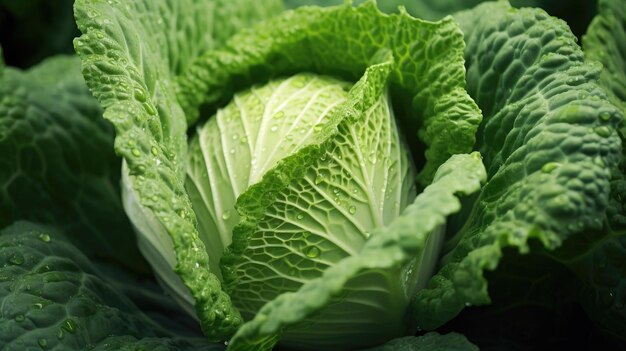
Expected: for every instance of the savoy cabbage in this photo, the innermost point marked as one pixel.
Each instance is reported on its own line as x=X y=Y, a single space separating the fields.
x=347 y=177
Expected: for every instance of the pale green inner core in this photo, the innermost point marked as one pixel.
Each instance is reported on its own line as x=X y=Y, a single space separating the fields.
x=364 y=181
x=245 y=139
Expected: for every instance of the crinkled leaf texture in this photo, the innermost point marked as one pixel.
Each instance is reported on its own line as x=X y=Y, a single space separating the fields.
x=57 y=163
x=600 y=267
x=605 y=42
x=388 y=248
x=131 y=54
x=549 y=142
x=292 y=178
x=135 y=80
x=321 y=193
x=53 y=298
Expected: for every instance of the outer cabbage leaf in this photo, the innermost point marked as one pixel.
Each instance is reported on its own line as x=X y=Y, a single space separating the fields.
x=600 y=266
x=549 y=142
x=131 y=343
x=427 y=342
x=53 y=298
x=132 y=53
x=605 y=42
x=389 y=248
x=57 y=164
x=577 y=13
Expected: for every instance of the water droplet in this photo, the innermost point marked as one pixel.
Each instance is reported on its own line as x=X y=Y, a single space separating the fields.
x=313 y=252
x=38 y=305
x=226 y=215
x=140 y=95
x=232 y=151
x=60 y=334
x=135 y=152
x=605 y=116
x=318 y=179
x=17 y=259
x=154 y=150
x=243 y=140
x=300 y=216
x=43 y=343
x=317 y=128
x=235 y=136
x=302 y=130
x=467 y=304
x=336 y=191
x=550 y=166
x=603 y=131
x=279 y=115
x=352 y=210
x=69 y=325
x=372 y=157
x=274 y=128
x=151 y=111
x=19 y=318
x=100 y=35
x=44 y=237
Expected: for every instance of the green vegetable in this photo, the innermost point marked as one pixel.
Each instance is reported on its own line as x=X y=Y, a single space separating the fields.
x=57 y=165
x=546 y=145
x=447 y=114
x=346 y=177
x=52 y=297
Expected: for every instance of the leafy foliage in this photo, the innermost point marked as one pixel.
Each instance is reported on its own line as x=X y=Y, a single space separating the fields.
x=338 y=177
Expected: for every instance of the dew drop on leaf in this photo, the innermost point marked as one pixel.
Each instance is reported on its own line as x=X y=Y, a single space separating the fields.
x=313 y=252
x=603 y=131
x=69 y=325
x=43 y=343
x=17 y=259
x=605 y=116
x=319 y=179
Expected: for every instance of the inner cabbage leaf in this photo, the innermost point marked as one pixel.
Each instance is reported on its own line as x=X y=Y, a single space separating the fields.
x=362 y=180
